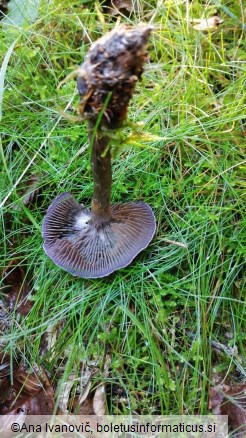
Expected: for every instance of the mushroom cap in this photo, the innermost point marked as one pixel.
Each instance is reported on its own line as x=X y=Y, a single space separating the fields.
x=76 y=243
x=113 y=63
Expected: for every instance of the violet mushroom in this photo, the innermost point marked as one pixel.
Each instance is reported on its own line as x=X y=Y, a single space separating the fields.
x=94 y=243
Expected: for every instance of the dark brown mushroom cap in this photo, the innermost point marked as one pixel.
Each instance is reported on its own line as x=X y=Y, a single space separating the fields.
x=85 y=249
x=113 y=63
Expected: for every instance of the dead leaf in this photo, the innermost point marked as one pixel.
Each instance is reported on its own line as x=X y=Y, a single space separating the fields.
x=206 y=23
x=5 y=320
x=17 y=288
x=7 y=421
x=231 y=401
x=49 y=339
x=64 y=393
x=83 y=404
x=18 y=299
x=86 y=408
x=13 y=273
x=31 y=393
x=30 y=193
x=31 y=382
x=116 y=7
x=6 y=365
x=68 y=403
x=92 y=401
x=99 y=401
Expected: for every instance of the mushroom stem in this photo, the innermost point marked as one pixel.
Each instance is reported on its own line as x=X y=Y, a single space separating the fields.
x=102 y=177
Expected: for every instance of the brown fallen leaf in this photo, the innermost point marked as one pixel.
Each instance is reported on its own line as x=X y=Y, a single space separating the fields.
x=6 y=365
x=83 y=403
x=13 y=273
x=231 y=401
x=30 y=393
x=92 y=401
x=32 y=189
x=99 y=401
x=86 y=408
x=17 y=288
x=64 y=393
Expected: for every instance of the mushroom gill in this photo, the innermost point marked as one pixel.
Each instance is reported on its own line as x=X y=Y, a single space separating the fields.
x=94 y=243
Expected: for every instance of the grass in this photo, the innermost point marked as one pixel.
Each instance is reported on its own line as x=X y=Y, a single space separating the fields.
x=156 y=318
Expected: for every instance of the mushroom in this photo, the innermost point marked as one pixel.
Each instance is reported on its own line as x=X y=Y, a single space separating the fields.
x=94 y=243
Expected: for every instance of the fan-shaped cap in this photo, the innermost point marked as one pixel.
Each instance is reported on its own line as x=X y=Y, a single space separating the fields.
x=85 y=249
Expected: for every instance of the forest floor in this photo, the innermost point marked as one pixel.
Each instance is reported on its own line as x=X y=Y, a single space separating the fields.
x=161 y=332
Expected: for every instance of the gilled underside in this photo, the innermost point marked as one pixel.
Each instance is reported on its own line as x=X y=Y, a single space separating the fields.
x=75 y=243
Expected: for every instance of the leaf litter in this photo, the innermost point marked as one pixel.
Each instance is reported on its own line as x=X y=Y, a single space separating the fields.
x=16 y=288
x=92 y=400
x=25 y=392
x=231 y=401
x=30 y=393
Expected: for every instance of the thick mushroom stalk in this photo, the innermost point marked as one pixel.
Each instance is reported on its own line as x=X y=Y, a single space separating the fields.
x=94 y=243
